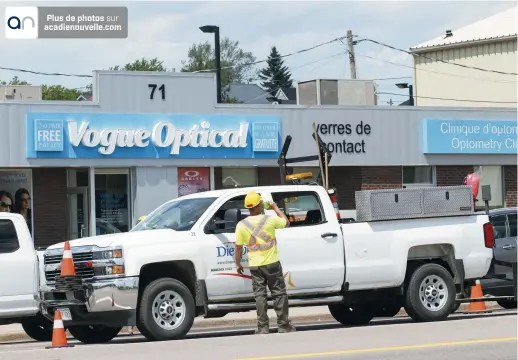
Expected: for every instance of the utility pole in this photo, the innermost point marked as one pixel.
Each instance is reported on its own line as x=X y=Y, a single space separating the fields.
x=350 y=46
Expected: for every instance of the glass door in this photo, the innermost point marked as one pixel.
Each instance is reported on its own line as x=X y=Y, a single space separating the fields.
x=79 y=219
x=112 y=201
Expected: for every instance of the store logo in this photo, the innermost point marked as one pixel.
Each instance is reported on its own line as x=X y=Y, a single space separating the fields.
x=191 y=174
x=48 y=135
x=163 y=134
x=21 y=22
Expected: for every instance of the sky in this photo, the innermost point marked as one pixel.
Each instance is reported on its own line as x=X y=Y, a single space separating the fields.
x=166 y=29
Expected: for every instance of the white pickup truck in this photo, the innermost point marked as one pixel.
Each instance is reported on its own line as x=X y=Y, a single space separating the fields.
x=21 y=268
x=178 y=264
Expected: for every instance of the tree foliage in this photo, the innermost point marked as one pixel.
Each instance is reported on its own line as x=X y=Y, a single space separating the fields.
x=237 y=64
x=275 y=74
x=53 y=92
x=142 y=65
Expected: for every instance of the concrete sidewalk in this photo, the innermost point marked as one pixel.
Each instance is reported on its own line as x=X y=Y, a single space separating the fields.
x=314 y=314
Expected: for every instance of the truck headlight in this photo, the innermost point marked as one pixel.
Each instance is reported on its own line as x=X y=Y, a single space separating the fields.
x=108 y=262
x=108 y=254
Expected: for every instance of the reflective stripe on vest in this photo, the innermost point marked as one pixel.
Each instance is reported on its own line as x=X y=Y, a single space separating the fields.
x=258 y=233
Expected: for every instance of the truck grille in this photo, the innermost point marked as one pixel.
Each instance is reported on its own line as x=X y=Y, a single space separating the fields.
x=79 y=260
x=56 y=259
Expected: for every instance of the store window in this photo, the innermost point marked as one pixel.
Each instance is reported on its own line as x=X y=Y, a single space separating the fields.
x=491 y=175
x=112 y=210
x=15 y=194
x=238 y=177
x=415 y=176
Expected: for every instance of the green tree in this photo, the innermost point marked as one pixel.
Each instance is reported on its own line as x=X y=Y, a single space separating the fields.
x=237 y=64
x=14 y=81
x=275 y=75
x=142 y=65
x=53 y=92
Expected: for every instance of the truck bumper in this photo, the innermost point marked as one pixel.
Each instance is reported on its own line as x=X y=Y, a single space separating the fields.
x=106 y=302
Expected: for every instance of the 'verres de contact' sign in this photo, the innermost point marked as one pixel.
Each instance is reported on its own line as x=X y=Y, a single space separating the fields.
x=51 y=135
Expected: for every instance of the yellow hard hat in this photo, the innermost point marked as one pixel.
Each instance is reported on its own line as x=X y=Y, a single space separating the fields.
x=141 y=218
x=252 y=199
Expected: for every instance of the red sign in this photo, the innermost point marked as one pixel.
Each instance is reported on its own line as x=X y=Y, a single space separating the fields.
x=193 y=180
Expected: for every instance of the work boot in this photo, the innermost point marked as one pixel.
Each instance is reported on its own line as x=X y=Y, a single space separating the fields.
x=262 y=331
x=287 y=328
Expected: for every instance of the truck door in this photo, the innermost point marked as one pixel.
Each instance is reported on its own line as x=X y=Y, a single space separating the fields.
x=18 y=269
x=311 y=249
x=505 y=241
x=221 y=278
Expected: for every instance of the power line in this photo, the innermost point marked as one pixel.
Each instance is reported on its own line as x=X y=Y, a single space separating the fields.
x=448 y=99
x=392 y=78
x=44 y=73
x=296 y=67
x=198 y=71
x=432 y=59
x=277 y=57
x=436 y=72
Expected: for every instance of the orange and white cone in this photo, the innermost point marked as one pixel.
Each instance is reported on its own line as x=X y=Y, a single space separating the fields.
x=67 y=265
x=59 y=338
x=476 y=292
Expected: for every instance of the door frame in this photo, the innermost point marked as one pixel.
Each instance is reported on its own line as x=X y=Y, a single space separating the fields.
x=86 y=208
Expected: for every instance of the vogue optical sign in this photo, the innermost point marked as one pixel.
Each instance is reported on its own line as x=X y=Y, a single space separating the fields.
x=163 y=135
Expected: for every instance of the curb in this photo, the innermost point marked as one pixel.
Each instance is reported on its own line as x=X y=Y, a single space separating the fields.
x=201 y=323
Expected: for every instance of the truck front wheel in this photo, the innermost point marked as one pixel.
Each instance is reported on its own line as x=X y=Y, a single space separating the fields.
x=38 y=327
x=430 y=294
x=94 y=334
x=167 y=310
x=357 y=315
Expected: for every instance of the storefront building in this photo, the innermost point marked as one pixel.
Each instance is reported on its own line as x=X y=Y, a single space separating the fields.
x=94 y=167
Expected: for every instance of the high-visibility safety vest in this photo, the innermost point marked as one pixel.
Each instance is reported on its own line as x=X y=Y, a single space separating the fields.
x=258 y=233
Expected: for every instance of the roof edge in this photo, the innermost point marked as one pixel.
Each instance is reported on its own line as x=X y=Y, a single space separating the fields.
x=416 y=50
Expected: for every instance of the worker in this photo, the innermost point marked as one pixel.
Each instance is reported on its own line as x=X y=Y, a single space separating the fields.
x=257 y=232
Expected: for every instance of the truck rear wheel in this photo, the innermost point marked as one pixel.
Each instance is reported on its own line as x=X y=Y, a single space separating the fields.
x=357 y=315
x=94 y=334
x=430 y=294
x=167 y=310
x=38 y=328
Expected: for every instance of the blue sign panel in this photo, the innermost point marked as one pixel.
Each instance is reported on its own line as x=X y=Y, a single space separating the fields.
x=152 y=136
x=469 y=137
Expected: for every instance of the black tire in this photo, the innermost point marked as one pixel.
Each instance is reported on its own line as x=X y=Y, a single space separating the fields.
x=94 y=334
x=346 y=315
x=413 y=304
x=389 y=310
x=38 y=328
x=507 y=304
x=147 y=324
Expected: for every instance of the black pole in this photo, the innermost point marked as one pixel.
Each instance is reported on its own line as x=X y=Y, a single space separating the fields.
x=217 y=51
x=411 y=94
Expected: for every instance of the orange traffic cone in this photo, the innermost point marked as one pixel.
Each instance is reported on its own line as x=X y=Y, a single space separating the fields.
x=67 y=265
x=476 y=292
x=59 y=338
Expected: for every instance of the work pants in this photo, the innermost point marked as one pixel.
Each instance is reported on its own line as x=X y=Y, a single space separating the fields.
x=270 y=275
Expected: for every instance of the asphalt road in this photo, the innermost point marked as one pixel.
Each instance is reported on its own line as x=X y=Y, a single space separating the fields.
x=482 y=337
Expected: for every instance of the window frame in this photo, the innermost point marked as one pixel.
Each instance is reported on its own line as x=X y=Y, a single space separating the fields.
x=506 y=224
x=509 y=223
x=17 y=246
x=410 y=185
x=206 y=227
x=286 y=194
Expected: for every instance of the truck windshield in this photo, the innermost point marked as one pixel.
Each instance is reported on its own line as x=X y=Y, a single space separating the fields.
x=179 y=215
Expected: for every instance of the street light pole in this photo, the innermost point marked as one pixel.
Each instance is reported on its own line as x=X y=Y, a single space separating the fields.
x=217 y=50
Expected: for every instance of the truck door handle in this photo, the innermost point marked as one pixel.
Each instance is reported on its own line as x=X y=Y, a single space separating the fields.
x=328 y=235
x=508 y=247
